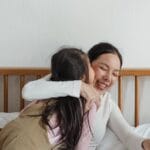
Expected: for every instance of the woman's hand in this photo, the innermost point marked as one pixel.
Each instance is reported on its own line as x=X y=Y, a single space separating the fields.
x=90 y=94
x=146 y=144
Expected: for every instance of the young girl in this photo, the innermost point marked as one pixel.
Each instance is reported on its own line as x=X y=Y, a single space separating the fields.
x=106 y=61
x=55 y=123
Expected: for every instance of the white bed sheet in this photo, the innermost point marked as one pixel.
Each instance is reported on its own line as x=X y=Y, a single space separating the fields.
x=111 y=141
x=7 y=117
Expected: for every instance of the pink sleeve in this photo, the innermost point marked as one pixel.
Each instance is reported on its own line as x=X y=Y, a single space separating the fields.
x=86 y=134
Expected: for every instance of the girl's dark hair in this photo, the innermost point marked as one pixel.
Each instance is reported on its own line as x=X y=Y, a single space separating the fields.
x=67 y=64
x=103 y=48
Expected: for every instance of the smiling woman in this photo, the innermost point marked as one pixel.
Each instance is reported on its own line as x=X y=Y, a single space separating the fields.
x=106 y=67
x=106 y=62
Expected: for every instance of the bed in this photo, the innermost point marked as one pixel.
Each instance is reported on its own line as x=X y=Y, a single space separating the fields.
x=13 y=79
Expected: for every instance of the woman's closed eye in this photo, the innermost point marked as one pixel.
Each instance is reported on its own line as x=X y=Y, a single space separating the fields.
x=103 y=68
x=116 y=74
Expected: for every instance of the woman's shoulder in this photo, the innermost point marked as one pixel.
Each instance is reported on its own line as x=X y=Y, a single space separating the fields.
x=22 y=133
x=34 y=108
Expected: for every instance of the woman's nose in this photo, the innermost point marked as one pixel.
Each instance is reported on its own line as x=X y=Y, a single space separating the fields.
x=108 y=77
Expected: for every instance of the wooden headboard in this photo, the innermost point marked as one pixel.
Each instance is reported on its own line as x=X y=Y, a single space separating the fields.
x=22 y=73
x=136 y=73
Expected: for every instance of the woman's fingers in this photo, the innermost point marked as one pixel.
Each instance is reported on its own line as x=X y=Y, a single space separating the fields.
x=146 y=144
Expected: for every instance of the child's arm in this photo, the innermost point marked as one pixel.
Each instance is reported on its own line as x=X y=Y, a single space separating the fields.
x=44 y=88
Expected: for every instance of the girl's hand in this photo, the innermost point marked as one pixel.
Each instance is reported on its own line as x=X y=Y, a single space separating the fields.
x=90 y=94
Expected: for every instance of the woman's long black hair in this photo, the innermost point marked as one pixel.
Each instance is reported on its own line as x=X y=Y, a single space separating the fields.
x=67 y=64
x=104 y=48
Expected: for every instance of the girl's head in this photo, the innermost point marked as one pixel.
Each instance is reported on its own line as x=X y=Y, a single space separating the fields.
x=68 y=64
x=71 y=64
x=106 y=61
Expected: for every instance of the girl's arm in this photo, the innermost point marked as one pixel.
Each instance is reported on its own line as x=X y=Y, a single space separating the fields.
x=44 y=88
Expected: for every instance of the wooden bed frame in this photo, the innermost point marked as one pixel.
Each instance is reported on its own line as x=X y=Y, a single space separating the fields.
x=22 y=73
x=136 y=73
x=5 y=73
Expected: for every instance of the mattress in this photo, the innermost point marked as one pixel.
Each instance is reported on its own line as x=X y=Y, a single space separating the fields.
x=7 y=117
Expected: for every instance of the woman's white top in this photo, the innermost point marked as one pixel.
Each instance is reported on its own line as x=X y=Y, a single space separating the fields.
x=107 y=115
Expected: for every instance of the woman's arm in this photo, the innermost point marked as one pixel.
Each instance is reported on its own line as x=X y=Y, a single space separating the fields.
x=123 y=130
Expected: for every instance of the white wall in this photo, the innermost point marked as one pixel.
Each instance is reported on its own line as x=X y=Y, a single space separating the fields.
x=30 y=30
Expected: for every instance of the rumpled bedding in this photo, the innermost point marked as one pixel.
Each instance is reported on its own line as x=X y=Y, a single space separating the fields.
x=109 y=142
x=7 y=117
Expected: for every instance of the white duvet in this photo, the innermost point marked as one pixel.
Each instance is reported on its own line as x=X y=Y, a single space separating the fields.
x=110 y=140
x=7 y=117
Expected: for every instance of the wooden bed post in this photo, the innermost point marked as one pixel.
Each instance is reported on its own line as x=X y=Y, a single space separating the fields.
x=136 y=101
x=120 y=102
x=5 y=78
x=22 y=81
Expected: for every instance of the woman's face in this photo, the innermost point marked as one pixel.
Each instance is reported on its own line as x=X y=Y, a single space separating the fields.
x=106 y=68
